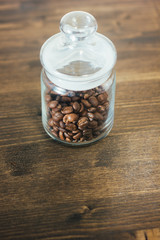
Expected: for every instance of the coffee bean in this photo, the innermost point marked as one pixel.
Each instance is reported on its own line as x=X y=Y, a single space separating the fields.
x=72 y=117
x=71 y=127
x=92 y=109
x=50 y=122
x=56 y=123
x=93 y=124
x=81 y=107
x=61 y=135
x=67 y=109
x=54 y=133
x=55 y=128
x=101 y=108
x=82 y=123
x=54 y=110
x=77 y=136
x=61 y=124
x=86 y=103
x=48 y=98
x=53 y=104
x=86 y=95
x=102 y=98
x=57 y=116
x=82 y=139
x=90 y=116
x=61 y=129
x=65 y=99
x=75 y=98
x=106 y=105
x=93 y=100
x=84 y=113
x=75 y=131
x=70 y=134
x=87 y=132
x=98 y=116
x=67 y=135
x=76 y=106
x=68 y=139
x=105 y=116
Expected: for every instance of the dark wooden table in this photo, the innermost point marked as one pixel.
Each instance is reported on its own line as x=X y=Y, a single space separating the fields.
x=109 y=190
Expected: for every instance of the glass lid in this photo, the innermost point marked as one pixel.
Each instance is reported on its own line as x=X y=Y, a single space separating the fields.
x=78 y=52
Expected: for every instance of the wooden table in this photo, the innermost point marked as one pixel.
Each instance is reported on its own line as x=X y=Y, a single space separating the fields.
x=109 y=190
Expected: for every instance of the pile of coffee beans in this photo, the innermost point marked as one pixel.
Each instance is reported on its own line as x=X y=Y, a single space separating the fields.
x=77 y=116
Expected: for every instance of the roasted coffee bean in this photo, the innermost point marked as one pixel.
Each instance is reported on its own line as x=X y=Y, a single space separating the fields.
x=82 y=123
x=105 y=117
x=87 y=132
x=65 y=99
x=61 y=124
x=72 y=117
x=93 y=124
x=71 y=127
x=86 y=96
x=63 y=104
x=53 y=104
x=81 y=107
x=70 y=134
x=92 y=109
x=57 y=116
x=106 y=105
x=98 y=116
x=68 y=139
x=99 y=89
x=82 y=139
x=50 y=122
x=56 y=123
x=93 y=100
x=48 y=98
x=102 y=98
x=101 y=108
x=54 y=133
x=61 y=136
x=62 y=129
x=76 y=106
x=75 y=131
x=75 y=98
x=55 y=128
x=77 y=136
x=66 y=135
x=67 y=109
x=86 y=103
x=54 y=110
x=90 y=92
x=90 y=116
x=84 y=113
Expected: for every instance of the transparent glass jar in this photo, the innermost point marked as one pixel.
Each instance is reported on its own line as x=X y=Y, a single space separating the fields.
x=78 y=81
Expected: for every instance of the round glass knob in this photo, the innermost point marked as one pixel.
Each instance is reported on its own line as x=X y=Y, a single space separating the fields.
x=78 y=25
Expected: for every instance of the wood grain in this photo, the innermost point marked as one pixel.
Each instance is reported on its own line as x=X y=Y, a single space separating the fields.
x=109 y=190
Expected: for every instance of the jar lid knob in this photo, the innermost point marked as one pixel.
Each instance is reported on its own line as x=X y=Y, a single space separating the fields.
x=78 y=25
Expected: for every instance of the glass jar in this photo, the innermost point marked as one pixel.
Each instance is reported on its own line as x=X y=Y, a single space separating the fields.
x=78 y=81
